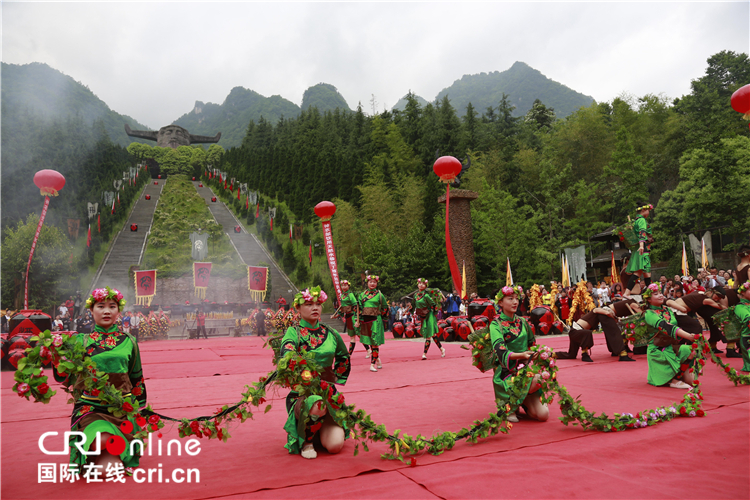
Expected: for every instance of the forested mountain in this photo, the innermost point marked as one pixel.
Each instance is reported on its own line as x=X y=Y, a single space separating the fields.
x=232 y=116
x=523 y=85
x=36 y=89
x=544 y=183
x=401 y=104
x=325 y=97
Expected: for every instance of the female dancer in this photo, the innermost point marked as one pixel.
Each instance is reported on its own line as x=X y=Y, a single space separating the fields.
x=115 y=353
x=742 y=310
x=350 y=309
x=640 y=262
x=425 y=304
x=667 y=361
x=733 y=297
x=329 y=351
x=511 y=338
x=372 y=331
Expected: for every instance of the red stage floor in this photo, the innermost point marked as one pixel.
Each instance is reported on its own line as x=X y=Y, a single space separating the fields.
x=687 y=458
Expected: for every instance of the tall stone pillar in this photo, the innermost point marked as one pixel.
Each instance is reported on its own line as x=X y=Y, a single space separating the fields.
x=462 y=238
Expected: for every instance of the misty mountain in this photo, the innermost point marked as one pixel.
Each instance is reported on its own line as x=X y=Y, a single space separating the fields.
x=522 y=83
x=401 y=104
x=325 y=97
x=234 y=114
x=46 y=93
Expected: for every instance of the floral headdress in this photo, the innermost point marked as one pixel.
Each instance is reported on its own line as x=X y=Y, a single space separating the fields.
x=650 y=290
x=345 y=282
x=744 y=287
x=423 y=281
x=314 y=294
x=647 y=206
x=106 y=293
x=508 y=290
x=369 y=277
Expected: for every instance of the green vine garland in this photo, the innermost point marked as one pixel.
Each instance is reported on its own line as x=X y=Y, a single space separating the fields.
x=300 y=373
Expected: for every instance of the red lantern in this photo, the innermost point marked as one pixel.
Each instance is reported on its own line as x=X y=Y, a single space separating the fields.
x=213 y=198
x=200 y=185
x=741 y=100
x=49 y=182
x=447 y=168
x=134 y=227
x=193 y=178
x=159 y=176
x=237 y=229
x=156 y=183
x=325 y=210
x=148 y=196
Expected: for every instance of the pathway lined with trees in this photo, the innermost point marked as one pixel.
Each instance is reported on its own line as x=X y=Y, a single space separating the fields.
x=248 y=247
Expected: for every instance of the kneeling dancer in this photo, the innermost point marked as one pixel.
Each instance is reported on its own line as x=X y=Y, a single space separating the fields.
x=424 y=307
x=511 y=338
x=115 y=353
x=372 y=330
x=330 y=353
x=581 y=335
x=668 y=362
x=742 y=311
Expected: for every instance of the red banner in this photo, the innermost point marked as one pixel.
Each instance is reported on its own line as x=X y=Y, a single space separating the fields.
x=257 y=210
x=457 y=285
x=99 y=223
x=201 y=276
x=145 y=287
x=257 y=282
x=31 y=253
x=331 y=256
x=88 y=237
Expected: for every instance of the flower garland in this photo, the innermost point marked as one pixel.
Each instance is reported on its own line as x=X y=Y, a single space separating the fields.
x=731 y=373
x=581 y=301
x=300 y=373
x=106 y=293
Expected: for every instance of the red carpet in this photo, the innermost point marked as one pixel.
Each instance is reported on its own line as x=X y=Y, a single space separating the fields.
x=687 y=458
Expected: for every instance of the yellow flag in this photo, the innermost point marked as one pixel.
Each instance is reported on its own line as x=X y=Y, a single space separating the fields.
x=463 y=281
x=685 y=268
x=704 y=257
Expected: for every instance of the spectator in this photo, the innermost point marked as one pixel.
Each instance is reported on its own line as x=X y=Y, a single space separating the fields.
x=260 y=321
x=546 y=296
x=453 y=304
x=696 y=286
x=604 y=294
x=616 y=291
x=200 y=323
x=135 y=320
x=70 y=306
x=462 y=308
x=57 y=325
x=280 y=302
x=62 y=311
x=126 y=322
x=78 y=305
x=663 y=284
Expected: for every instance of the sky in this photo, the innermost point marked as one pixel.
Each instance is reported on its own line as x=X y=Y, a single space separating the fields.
x=152 y=61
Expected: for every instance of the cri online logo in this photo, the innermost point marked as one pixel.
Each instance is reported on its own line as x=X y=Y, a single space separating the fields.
x=116 y=445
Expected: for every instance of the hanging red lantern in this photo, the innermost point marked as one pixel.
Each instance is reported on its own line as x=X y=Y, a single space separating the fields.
x=49 y=182
x=148 y=196
x=213 y=198
x=447 y=168
x=134 y=227
x=325 y=210
x=200 y=185
x=156 y=183
x=193 y=178
x=741 y=101
x=159 y=176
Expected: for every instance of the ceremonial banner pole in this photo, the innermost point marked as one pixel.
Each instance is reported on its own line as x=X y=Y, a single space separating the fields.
x=447 y=168
x=49 y=182
x=325 y=210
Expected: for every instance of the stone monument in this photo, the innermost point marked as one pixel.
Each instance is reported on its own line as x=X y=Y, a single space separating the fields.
x=462 y=237
x=172 y=136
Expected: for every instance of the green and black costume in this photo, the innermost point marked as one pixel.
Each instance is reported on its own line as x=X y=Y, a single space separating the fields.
x=742 y=311
x=509 y=335
x=115 y=353
x=330 y=354
x=372 y=329
x=667 y=359
x=639 y=262
x=425 y=304
x=350 y=309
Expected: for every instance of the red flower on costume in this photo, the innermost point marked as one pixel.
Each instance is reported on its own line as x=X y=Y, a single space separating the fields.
x=127 y=407
x=136 y=391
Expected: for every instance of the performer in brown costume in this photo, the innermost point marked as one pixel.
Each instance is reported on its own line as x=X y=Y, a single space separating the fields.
x=581 y=333
x=704 y=305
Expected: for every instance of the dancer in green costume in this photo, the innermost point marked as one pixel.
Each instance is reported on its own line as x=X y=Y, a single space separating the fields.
x=115 y=353
x=424 y=305
x=350 y=309
x=372 y=329
x=668 y=361
x=742 y=311
x=330 y=353
x=511 y=338
x=640 y=261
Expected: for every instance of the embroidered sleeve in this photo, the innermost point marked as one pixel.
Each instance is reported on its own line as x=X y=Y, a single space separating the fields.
x=290 y=341
x=498 y=344
x=529 y=332
x=341 y=361
x=136 y=375
x=656 y=321
x=640 y=226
